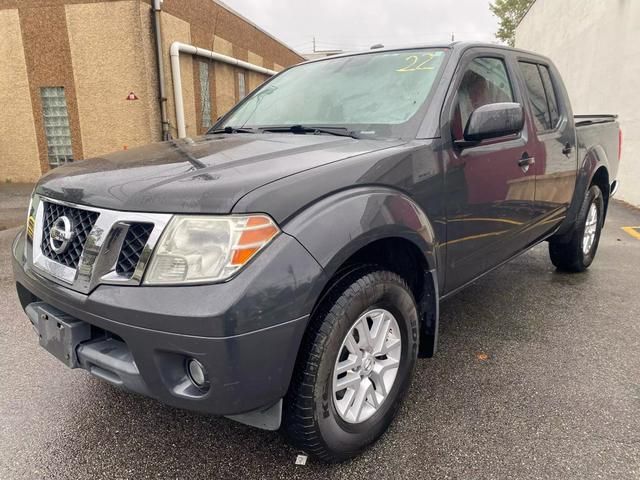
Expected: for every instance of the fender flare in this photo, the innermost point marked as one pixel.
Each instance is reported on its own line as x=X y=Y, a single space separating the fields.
x=339 y=225
x=336 y=227
x=593 y=160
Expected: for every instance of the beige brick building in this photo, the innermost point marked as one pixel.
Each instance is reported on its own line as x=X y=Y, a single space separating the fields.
x=68 y=67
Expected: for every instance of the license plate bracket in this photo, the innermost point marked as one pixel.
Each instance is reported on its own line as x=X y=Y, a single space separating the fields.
x=59 y=333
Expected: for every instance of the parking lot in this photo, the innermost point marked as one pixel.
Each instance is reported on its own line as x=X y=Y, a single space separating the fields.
x=537 y=376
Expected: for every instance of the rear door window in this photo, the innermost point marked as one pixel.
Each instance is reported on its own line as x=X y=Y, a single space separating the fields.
x=552 y=98
x=537 y=97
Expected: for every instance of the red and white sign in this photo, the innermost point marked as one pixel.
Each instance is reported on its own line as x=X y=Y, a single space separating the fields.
x=132 y=96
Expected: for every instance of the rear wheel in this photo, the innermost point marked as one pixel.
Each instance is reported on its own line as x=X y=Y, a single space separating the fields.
x=577 y=252
x=354 y=367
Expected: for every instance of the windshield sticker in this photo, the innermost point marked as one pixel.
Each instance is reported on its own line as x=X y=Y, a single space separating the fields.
x=418 y=62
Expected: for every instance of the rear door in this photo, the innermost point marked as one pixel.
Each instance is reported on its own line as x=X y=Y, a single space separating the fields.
x=490 y=190
x=555 y=135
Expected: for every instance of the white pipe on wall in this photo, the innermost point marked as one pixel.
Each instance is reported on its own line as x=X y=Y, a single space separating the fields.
x=174 y=52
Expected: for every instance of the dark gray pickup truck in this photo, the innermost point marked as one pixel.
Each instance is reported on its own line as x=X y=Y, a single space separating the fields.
x=286 y=268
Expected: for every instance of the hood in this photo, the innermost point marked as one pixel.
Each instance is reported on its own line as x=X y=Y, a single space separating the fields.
x=203 y=175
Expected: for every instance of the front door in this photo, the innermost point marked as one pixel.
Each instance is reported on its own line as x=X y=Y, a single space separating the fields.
x=490 y=187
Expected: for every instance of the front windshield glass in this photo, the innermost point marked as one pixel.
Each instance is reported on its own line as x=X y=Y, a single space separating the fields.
x=374 y=94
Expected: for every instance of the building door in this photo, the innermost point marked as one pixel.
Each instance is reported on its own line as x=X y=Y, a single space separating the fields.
x=490 y=190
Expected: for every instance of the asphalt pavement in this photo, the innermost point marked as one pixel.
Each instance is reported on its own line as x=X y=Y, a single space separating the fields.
x=537 y=376
x=14 y=199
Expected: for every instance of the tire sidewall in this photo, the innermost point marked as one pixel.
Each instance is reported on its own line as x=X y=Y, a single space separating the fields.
x=594 y=197
x=342 y=437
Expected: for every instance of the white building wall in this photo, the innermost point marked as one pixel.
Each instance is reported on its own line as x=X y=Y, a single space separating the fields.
x=596 y=46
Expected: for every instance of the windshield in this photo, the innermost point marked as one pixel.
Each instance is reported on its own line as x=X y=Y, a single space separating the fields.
x=372 y=94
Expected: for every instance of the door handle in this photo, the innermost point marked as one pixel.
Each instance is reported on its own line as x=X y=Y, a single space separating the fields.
x=568 y=148
x=526 y=161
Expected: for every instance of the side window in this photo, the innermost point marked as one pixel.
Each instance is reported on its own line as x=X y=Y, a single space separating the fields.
x=552 y=98
x=537 y=97
x=485 y=81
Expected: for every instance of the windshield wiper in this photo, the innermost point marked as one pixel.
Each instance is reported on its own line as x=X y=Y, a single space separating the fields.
x=190 y=158
x=303 y=129
x=231 y=130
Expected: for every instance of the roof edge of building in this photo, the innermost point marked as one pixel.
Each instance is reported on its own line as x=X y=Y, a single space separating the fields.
x=525 y=13
x=256 y=26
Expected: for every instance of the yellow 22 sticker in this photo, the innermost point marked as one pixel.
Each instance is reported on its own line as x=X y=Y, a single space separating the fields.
x=417 y=63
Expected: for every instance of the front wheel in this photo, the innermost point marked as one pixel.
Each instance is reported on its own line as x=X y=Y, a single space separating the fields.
x=354 y=367
x=576 y=254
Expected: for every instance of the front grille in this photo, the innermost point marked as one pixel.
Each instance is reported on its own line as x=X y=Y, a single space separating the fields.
x=132 y=248
x=82 y=222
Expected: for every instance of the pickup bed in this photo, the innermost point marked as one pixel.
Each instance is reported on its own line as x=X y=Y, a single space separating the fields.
x=286 y=269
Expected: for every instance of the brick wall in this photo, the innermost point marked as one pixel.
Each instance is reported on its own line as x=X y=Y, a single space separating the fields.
x=99 y=51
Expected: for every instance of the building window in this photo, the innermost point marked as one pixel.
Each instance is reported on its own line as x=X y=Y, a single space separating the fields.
x=205 y=95
x=242 y=88
x=56 y=125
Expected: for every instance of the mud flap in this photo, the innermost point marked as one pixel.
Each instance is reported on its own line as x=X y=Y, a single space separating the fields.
x=429 y=306
x=268 y=418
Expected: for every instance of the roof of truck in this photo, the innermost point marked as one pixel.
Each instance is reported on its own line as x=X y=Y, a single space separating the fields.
x=449 y=45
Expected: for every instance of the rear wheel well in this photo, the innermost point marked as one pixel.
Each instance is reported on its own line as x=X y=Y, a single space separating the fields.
x=601 y=179
x=403 y=257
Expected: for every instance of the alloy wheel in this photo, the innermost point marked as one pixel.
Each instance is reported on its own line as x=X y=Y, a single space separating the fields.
x=367 y=365
x=590 y=229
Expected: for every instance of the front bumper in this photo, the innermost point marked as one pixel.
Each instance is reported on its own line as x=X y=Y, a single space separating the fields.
x=246 y=332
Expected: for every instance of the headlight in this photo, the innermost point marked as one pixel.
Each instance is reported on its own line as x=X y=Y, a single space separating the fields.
x=198 y=249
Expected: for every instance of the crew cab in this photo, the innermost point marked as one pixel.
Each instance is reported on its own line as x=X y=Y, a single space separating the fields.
x=286 y=269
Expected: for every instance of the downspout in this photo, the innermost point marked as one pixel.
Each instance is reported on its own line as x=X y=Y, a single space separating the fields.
x=162 y=97
x=176 y=49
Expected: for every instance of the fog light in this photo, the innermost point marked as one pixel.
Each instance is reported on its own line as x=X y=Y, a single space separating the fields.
x=197 y=373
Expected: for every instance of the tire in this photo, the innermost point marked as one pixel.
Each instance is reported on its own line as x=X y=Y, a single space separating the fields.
x=578 y=252
x=312 y=421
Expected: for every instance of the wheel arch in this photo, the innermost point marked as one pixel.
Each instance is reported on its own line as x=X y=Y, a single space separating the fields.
x=600 y=178
x=593 y=168
x=374 y=226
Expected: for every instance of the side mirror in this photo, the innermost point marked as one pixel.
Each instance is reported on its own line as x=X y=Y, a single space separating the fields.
x=494 y=120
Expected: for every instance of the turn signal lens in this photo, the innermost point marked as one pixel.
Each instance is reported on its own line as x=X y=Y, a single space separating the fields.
x=257 y=232
x=31 y=219
x=31 y=226
x=200 y=249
